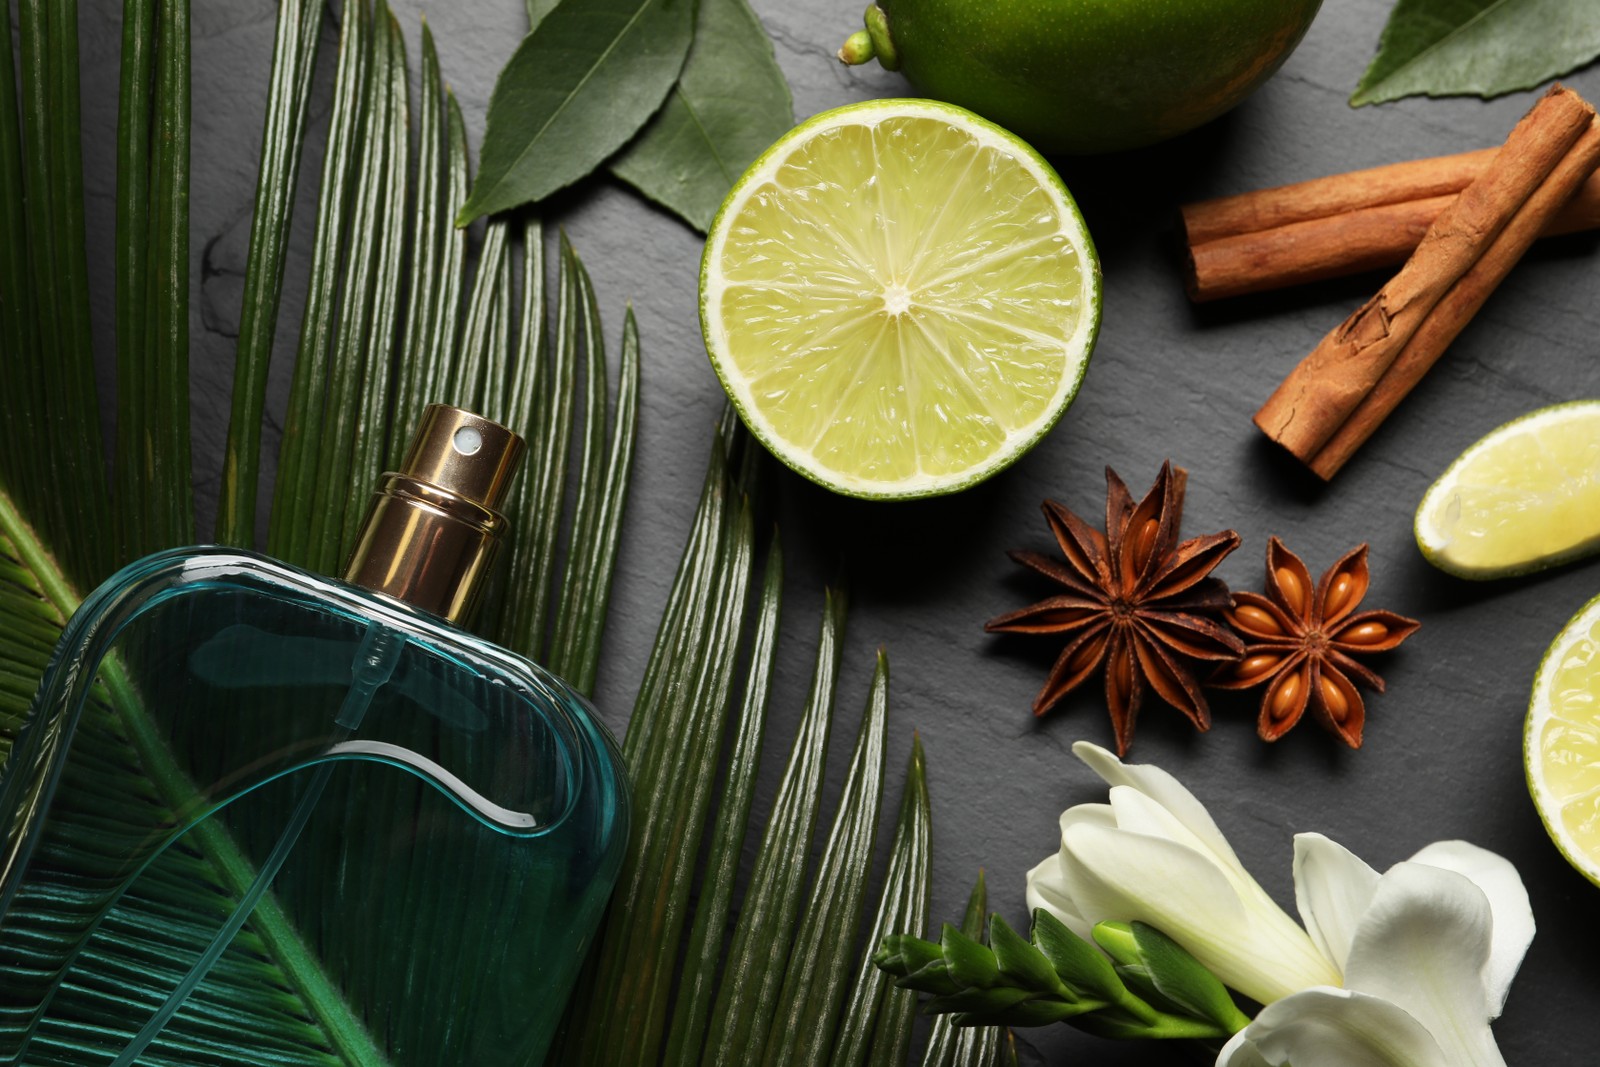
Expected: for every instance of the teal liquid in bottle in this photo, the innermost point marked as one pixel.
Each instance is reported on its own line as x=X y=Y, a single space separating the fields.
x=358 y=834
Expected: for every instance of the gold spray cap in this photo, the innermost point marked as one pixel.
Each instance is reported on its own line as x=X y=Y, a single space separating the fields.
x=433 y=527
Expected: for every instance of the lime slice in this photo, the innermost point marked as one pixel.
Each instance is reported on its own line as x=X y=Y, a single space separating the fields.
x=1562 y=744
x=900 y=297
x=1526 y=496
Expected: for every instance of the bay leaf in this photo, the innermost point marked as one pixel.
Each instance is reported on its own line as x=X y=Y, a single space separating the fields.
x=1478 y=47
x=730 y=103
x=576 y=89
x=537 y=10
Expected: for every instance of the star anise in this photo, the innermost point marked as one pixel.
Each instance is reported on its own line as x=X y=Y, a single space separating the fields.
x=1137 y=601
x=1301 y=641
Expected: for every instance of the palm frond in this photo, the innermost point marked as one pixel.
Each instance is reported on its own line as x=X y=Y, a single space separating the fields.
x=78 y=946
x=697 y=985
x=289 y=529
x=70 y=490
x=75 y=907
x=294 y=55
x=79 y=942
x=903 y=907
x=819 y=964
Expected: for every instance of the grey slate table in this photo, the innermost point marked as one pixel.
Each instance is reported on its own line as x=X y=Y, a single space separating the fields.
x=1442 y=757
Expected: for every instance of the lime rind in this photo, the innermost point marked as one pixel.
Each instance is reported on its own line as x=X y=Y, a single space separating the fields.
x=1435 y=546
x=1018 y=441
x=1540 y=712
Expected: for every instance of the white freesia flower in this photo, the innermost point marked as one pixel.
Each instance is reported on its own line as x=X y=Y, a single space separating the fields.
x=1403 y=969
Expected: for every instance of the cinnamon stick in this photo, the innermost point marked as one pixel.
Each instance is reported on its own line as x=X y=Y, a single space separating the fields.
x=1366 y=231
x=1339 y=194
x=1460 y=305
x=1322 y=392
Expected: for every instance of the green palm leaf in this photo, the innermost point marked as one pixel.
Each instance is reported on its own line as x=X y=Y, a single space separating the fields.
x=667 y=973
x=270 y=998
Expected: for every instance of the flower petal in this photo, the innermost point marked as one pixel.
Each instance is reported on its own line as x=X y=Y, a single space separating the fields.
x=1047 y=889
x=1240 y=1051
x=1423 y=945
x=1508 y=902
x=1327 y=1027
x=1118 y=875
x=1165 y=790
x=1332 y=889
x=1047 y=882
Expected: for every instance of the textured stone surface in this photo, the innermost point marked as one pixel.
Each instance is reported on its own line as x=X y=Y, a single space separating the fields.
x=1443 y=756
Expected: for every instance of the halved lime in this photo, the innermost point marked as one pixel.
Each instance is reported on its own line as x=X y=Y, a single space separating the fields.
x=1561 y=746
x=1526 y=496
x=900 y=297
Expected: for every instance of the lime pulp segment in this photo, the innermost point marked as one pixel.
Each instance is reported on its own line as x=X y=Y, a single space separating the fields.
x=1563 y=741
x=900 y=298
x=1526 y=495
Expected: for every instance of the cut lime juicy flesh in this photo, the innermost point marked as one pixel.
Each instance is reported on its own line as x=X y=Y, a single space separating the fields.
x=900 y=298
x=1562 y=744
x=1526 y=496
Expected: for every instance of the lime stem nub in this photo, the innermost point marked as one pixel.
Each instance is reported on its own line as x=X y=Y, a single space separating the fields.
x=877 y=20
x=857 y=49
x=871 y=43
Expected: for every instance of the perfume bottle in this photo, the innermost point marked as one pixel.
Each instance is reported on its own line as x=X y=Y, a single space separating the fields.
x=256 y=815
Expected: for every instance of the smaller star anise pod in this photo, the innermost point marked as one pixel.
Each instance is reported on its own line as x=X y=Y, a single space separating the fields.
x=1301 y=642
x=1136 y=601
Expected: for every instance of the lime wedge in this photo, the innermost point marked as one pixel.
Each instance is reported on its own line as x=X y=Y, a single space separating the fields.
x=900 y=298
x=1561 y=746
x=1526 y=496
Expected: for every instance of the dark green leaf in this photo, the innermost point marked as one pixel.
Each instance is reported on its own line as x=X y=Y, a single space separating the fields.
x=1183 y=980
x=1478 y=47
x=293 y=60
x=820 y=960
x=576 y=89
x=729 y=105
x=747 y=1000
x=537 y=10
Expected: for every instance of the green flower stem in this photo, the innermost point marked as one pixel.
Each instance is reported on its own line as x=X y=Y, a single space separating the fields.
x=1056 y=976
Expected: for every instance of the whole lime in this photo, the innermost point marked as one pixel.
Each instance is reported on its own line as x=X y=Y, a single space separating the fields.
x=1086 y=76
